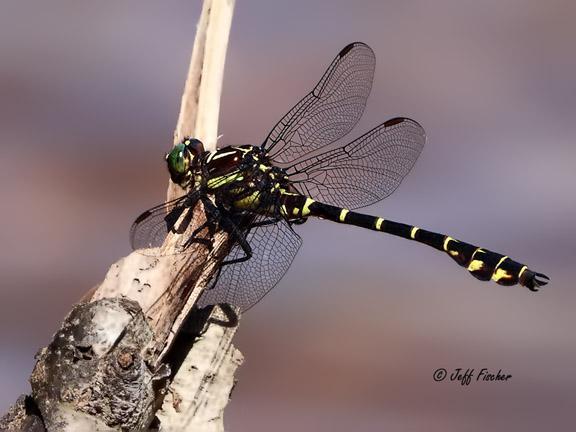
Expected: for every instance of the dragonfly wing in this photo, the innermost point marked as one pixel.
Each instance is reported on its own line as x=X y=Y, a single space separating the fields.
x=274 y=246
x=150 y=229
x=364 y=171
x=329 y=111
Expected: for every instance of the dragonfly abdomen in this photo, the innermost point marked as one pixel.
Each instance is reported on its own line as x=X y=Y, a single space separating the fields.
x=482 y=263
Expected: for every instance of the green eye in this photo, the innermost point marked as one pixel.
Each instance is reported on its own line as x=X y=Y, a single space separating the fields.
x=178 y=162
x=178 y=159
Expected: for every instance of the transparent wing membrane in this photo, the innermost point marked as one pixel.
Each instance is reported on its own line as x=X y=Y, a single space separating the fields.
x=150 y=230
x=364 y=171
x=329 y=111
x=274 y=245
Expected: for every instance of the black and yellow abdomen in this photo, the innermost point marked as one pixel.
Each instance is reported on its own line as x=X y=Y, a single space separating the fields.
x=482 y=263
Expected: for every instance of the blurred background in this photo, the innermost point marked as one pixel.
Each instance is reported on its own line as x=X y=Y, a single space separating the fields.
x=349 y=340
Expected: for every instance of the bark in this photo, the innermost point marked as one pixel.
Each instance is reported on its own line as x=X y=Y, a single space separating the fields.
x=121 y=360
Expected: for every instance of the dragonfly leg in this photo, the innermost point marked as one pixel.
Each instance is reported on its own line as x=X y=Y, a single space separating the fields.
x=242 y=242
x=238 y=237
x=206 y=224
x=212 y=215
x=228 y=225
x=193 y=239
x=298 y=221
x=263 y=223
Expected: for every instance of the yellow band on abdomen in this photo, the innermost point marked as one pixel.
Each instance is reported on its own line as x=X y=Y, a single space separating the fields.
x=306 y=208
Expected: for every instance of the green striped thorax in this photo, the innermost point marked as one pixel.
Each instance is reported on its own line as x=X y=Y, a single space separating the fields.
x=180 y=160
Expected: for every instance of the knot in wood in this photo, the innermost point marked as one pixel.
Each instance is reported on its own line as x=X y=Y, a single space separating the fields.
x=125 y=359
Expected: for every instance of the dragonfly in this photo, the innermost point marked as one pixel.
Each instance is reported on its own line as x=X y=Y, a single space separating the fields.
x=259 y=194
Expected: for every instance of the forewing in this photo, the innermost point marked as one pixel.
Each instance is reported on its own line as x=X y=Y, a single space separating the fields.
x=274 y=246
x=150 y=229
x=364 y=171
x=329 y=111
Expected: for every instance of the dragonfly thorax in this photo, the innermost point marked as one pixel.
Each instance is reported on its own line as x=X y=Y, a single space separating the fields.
x=241 y=171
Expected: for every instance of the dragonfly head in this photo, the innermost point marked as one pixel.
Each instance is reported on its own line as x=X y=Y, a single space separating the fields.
x=181 y=159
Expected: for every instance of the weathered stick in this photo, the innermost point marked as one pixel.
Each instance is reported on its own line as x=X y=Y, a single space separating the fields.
x=116 y=356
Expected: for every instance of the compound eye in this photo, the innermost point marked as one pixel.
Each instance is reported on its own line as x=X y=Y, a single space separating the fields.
x=178 y=161
x=194 y=146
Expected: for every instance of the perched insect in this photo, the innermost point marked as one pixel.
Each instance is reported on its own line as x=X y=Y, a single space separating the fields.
x=258 y=193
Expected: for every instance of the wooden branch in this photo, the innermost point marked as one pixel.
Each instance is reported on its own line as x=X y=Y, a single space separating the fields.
x=201 y=388
x=200 y=103
x=116 y=359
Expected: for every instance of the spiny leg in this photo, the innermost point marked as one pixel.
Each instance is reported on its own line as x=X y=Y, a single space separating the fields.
x=240 y=238
x=228 y=225
x=210 y=223
x=237 y=236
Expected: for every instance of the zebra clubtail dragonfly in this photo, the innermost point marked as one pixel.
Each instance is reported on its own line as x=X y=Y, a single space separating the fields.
x=258 y=193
